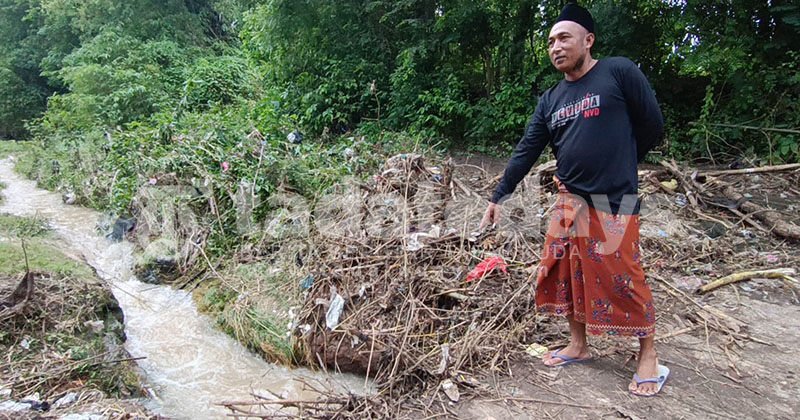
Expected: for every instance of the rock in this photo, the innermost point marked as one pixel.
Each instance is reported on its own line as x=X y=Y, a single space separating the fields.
x=158 y=263
x=66 y=400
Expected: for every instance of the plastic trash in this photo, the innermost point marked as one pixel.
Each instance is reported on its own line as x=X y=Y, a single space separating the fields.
x=334 y=312
x=295 y=137
x=536 y=350
x=307 y=282
x=416 y=240
x=663 y=234
x=772 y=258
x=445 y=359
x=66 y=400
x=467 y=380
x=486 y=267
x=451 y=390
x=680 y=200
x=672 y=184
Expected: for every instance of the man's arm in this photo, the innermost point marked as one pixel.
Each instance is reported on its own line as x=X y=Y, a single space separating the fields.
x=525 y=154
x=648 y=123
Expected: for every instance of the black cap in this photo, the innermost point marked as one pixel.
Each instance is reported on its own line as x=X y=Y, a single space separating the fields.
x=577 y=14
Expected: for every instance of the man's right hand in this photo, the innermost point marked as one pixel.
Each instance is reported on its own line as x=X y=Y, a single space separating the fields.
x=491 y=215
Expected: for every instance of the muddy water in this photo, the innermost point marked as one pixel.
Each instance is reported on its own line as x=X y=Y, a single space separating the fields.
x=188 y=364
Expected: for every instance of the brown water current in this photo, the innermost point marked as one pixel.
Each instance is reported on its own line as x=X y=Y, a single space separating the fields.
x=188 y=364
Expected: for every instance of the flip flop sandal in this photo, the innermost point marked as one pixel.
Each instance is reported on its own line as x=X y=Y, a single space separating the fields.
x=566 y=360
x=663 y=374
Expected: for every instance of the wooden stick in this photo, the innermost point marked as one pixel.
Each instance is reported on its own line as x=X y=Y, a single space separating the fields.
x=745 y=275
x=675 y=333
x=534 y=400
x=749 y=127
x=760 y=169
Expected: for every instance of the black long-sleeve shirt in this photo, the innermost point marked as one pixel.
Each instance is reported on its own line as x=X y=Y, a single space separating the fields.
x=599 y=127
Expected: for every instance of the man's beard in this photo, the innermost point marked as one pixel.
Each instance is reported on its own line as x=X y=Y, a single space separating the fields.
x=579 y=64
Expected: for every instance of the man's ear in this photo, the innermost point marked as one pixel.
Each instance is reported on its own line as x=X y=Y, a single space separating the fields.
x=589 y=40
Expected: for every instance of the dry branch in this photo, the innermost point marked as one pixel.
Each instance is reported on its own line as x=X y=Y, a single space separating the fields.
x=777 y=273
x=774 y=220
x=761 y=169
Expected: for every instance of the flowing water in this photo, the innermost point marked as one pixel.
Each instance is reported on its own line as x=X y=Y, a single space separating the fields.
x=188 y=364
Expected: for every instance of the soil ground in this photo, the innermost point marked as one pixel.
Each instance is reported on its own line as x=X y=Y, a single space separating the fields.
x=709 y=379
x=755 y=374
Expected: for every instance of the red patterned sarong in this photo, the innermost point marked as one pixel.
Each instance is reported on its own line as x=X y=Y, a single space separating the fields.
x=592 y=268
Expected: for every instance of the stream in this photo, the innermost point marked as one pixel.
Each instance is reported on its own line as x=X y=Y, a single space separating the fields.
x=188 y=365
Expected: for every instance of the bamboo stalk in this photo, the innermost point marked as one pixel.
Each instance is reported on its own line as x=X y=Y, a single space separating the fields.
x=776 y=273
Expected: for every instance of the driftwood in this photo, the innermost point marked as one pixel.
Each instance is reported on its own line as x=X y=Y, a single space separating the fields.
x=774 y=220
x=778 y=273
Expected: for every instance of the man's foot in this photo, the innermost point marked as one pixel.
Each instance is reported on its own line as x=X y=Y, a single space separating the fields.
x=572 y=351
x=648 y=368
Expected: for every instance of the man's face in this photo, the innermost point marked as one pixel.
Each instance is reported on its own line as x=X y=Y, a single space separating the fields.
x=568 y=46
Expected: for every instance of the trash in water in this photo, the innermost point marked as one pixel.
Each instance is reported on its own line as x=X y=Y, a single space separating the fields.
x=536 y=350
x=486 y=266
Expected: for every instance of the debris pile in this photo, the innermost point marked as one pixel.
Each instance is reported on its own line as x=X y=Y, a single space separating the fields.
x=405 y=292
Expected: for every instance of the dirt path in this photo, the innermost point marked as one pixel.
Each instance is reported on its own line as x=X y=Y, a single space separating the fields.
x=711 y=378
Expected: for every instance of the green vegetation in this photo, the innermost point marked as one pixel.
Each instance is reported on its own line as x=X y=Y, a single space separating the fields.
x=10 y=146
x=258 y=315
x=120 y=97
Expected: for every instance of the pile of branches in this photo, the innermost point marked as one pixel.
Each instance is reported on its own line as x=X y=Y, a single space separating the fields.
x=422 y=333
x=410 y=320
x=53 y=337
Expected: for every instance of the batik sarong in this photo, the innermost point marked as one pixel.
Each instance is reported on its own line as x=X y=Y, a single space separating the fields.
x=591 y=268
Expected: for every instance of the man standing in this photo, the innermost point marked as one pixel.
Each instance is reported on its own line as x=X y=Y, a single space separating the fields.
x=600 y=121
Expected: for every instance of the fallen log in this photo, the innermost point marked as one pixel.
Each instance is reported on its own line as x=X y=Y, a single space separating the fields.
x=772 y=219
x=777 y=273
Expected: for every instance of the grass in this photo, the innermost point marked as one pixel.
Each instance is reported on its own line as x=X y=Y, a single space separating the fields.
x=22 y=227
x=44 y=252
x=13 y=146
x=42 y=256
x=258 y=316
